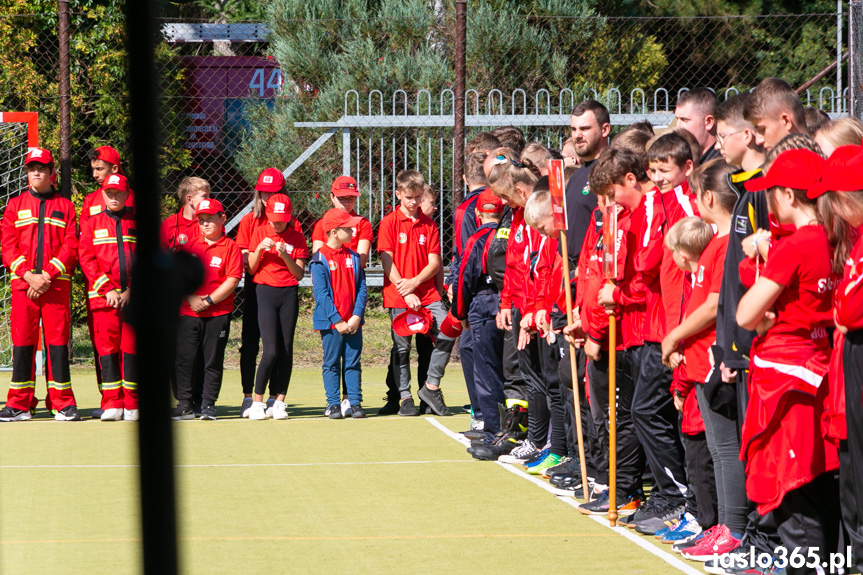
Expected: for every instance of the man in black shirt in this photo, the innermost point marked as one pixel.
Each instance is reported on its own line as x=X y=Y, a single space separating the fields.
x=694 y=113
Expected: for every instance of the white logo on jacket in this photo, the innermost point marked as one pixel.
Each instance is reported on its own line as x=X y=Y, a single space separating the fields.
x=216 y=262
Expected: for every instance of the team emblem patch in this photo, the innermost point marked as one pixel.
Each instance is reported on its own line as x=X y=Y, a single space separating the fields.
x=289 y=248
x=182 y=239
x=585 y=190
x=422 y=239
x=518 y=235
x=216 y=262
x=349 y=263
x=268 y=179
x=100 y=234
x=740 y=224
x=333 y=266
x=114 y=179
x=403 y=238
x=700 y=274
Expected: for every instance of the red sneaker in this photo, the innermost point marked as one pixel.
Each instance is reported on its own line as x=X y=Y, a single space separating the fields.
x=719 y=542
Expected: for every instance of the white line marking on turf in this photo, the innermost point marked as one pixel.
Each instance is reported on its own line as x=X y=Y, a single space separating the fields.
x=664 y=555
x=238 y=464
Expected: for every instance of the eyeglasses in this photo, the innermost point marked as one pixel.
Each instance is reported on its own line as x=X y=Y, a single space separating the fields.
x=722 y=139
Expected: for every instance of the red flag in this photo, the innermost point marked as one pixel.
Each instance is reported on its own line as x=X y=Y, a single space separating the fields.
x=558 y=197
x=609 y=241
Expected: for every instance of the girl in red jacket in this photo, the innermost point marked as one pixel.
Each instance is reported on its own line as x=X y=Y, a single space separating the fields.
x=840 y=205
x=789 y=465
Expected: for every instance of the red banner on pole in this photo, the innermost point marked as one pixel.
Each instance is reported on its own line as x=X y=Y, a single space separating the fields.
x=558 y=196
x=609 y=241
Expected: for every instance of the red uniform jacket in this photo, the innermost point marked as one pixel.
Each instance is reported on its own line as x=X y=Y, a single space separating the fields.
x=94 y=203
x=106 y=250
x=518 y=247
x=38 y=234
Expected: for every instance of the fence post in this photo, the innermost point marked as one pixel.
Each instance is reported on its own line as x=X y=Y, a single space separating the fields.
x=855 y=80
x=346 y=151
x=458 y=104
x=65 y=102
x=839 y=100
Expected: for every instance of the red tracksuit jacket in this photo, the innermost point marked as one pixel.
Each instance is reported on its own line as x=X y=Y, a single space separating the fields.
x=106 y=250
x=38 y=234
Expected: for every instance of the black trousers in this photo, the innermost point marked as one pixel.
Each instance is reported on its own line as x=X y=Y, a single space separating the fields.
x=538 y=416
x=425 y=347
x=591 y=447
x=277 y=316
x=656 y=423
x=514 y=386
x=702 y=479
x=851 y=450
x=487 y=345
x=549 y=356
x=206 y=338
x=250 y=343
x=808 y=517
x=630 y=455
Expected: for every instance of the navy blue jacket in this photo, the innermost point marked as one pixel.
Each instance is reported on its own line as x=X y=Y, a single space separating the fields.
x=326 y=315
x=464 y=226
x=474 y=277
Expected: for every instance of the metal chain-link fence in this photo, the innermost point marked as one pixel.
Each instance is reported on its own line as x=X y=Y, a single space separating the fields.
x=371 y=93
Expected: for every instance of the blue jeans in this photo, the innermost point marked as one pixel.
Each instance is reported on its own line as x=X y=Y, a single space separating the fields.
x=342 y=352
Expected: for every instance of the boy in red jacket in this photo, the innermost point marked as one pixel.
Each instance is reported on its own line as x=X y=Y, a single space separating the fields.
x=106 y=251
x=39 y=249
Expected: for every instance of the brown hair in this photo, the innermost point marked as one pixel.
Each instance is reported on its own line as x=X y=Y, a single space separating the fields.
x=537 y=154
x=796 y=141
x=600 y=112
x=693 y=143
x=714 y=177
x=634 y=140
x=702 y=98
x=815 y=119
x=510 y=171
x=484 y=142
x=670 y=147
x=410 y=181
x=510 y=137
x=690 y=235
x=611 y=167
x=473 y=172
x=731 y=111
x=847 y=131
x=772 y=97
x=832 y=207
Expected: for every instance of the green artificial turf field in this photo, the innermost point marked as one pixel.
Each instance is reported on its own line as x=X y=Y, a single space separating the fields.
x=307 y=495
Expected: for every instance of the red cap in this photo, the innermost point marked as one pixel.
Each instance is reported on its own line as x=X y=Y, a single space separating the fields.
x=451 y=327
x=270 y=180
x=39 y=156
x=110 y=155
x=411 y=322
x=795 y=169
x=116 y=182
x=344 y=186
x=488 y=198
x=279 y=208
x=336 y=218
x=843 y=172
x=209 y=207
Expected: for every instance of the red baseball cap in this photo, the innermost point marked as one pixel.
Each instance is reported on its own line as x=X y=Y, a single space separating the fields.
x=116 y=182
x=209 y=207
x=488 y=198
x=279 y=208
x=39 y=156
x=344 y=186
x=336 y=218
x=795 y=169
x=411 y=322
x=270 y=180
x=451 y=327
x=843 y=172
x=110 y=155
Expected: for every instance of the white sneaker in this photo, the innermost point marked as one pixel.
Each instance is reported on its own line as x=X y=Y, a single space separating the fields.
x=131 y=415
x=112 y=414
x=520 y=454
x=246 y=406
x=346 y=407
x=279 y=410
x=258 y=411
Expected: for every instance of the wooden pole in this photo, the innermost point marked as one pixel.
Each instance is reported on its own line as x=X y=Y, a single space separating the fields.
x=612 y=420
x=574 y=368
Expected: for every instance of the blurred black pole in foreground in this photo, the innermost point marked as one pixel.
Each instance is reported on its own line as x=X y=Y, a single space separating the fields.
x=153 y=305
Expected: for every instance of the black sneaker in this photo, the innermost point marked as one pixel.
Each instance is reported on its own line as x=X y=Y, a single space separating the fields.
x=537 y=457
x=182 y=412
x=434 y=399
x=12 y=414
x=408 y=408
x=68 y=413
x=208 y=413
x=391 y=407
x=357 y=411
x=565 y=467
x=564 y=479
x=425 y=409
x=667 y=517
x=491 y=452
x=645 y=511
x=196 y=409
x=335 y=411
x=97 y=413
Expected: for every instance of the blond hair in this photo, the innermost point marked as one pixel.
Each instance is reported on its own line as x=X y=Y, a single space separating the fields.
x=189 y=185
x=510 y=171
x=690 y=235
x=847 y=131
